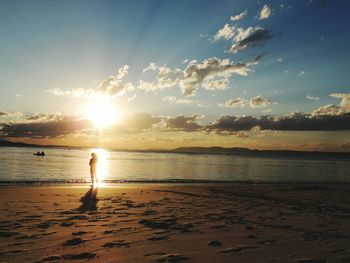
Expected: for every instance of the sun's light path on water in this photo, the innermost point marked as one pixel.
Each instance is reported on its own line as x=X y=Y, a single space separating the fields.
x=102 y=113
x=101 y=166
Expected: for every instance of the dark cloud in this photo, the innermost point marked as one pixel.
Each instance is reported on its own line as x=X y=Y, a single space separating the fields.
x=257 y=37
x=184 y=123
x=47 y=129
x=41 y=126
x=43 y=116
x=51 y=126
x=291 y=122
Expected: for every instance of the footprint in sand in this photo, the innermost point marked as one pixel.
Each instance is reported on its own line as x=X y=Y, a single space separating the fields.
x=214 y=243
x=84 y=255
x=157 y=238
x=74 y=242
x=238 y=249
x=311 y=260
x=117 y=243
x=172 y=258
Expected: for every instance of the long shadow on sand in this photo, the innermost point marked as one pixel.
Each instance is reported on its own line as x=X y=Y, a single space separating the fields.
x=89 y=200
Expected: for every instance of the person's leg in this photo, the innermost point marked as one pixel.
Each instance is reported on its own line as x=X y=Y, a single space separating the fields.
x=92 y=176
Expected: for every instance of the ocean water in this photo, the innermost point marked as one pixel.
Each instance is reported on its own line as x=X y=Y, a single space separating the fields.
x=19 y=164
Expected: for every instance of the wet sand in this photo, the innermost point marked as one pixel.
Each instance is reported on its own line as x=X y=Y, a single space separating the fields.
x=175 y=223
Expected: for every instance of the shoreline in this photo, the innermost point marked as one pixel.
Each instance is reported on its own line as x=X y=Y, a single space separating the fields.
x=111 y=183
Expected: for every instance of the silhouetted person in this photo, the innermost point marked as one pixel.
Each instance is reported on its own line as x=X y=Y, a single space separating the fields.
x=42 y=153
x=93 y=167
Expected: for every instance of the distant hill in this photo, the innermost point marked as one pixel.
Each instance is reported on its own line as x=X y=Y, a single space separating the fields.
x=246 y=151
x=22 y=144
x=17 y=144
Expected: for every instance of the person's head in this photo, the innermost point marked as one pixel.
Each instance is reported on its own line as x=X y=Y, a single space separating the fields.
x=93 y=155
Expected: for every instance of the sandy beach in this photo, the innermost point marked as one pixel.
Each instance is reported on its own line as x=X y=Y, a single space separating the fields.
x=175 y=223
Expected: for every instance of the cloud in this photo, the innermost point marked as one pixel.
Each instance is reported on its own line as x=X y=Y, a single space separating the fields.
x=211 y=73
x=152 y=66
x=132 y=97
x=165 y=78
x=218 y=84
x=259 y=101
x=184 y=123
x=197 y=73
x=52 y=126
x=249 y=38
x=242 y=33
x=312 y=97
x=112 y=86
x=239 y=16
x=176 y=100
x=235 y=103
x=301 y=73
x=290 y=122
x=46 y=129
x=326 y=118
x=255 y=102
x=345 y=100
x=266 y=111
x=331 y=109
x=75 y=93
x=169 y=98
x=227 y=32
x=265 y=12
x=122 y=72
x=43 y=117
x=184 y=101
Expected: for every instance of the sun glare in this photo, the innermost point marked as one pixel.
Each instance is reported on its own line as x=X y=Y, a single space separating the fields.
x=102 y=114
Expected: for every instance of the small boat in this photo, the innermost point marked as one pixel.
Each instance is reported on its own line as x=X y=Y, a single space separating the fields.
x=39 y=154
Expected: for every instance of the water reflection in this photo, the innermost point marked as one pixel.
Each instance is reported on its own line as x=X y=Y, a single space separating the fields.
x=19 y=164
x=89 y=200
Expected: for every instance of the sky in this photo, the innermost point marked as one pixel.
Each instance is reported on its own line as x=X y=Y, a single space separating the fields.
x=163 y=74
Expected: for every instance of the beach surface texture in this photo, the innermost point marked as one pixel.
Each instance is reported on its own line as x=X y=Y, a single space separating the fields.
x=152 y=222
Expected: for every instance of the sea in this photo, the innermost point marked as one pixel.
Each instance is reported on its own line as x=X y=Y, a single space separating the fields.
x=63 y=165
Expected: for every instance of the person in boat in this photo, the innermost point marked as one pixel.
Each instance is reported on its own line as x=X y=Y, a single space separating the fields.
x=93 y=167
x=39 y=153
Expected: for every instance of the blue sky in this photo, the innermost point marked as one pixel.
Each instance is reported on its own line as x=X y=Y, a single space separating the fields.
x=48 y=46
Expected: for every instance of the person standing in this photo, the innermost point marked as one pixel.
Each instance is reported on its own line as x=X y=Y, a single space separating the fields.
x=93 y=168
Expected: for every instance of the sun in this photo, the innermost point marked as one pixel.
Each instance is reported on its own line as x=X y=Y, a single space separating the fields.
x=102 y=113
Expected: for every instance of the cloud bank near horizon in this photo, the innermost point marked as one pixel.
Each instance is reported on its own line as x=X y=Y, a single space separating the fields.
x=325 y=118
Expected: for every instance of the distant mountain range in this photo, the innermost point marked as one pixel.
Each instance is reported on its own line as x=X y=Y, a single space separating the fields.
x=246 y=151
x=17 y=144
x=209 y=150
